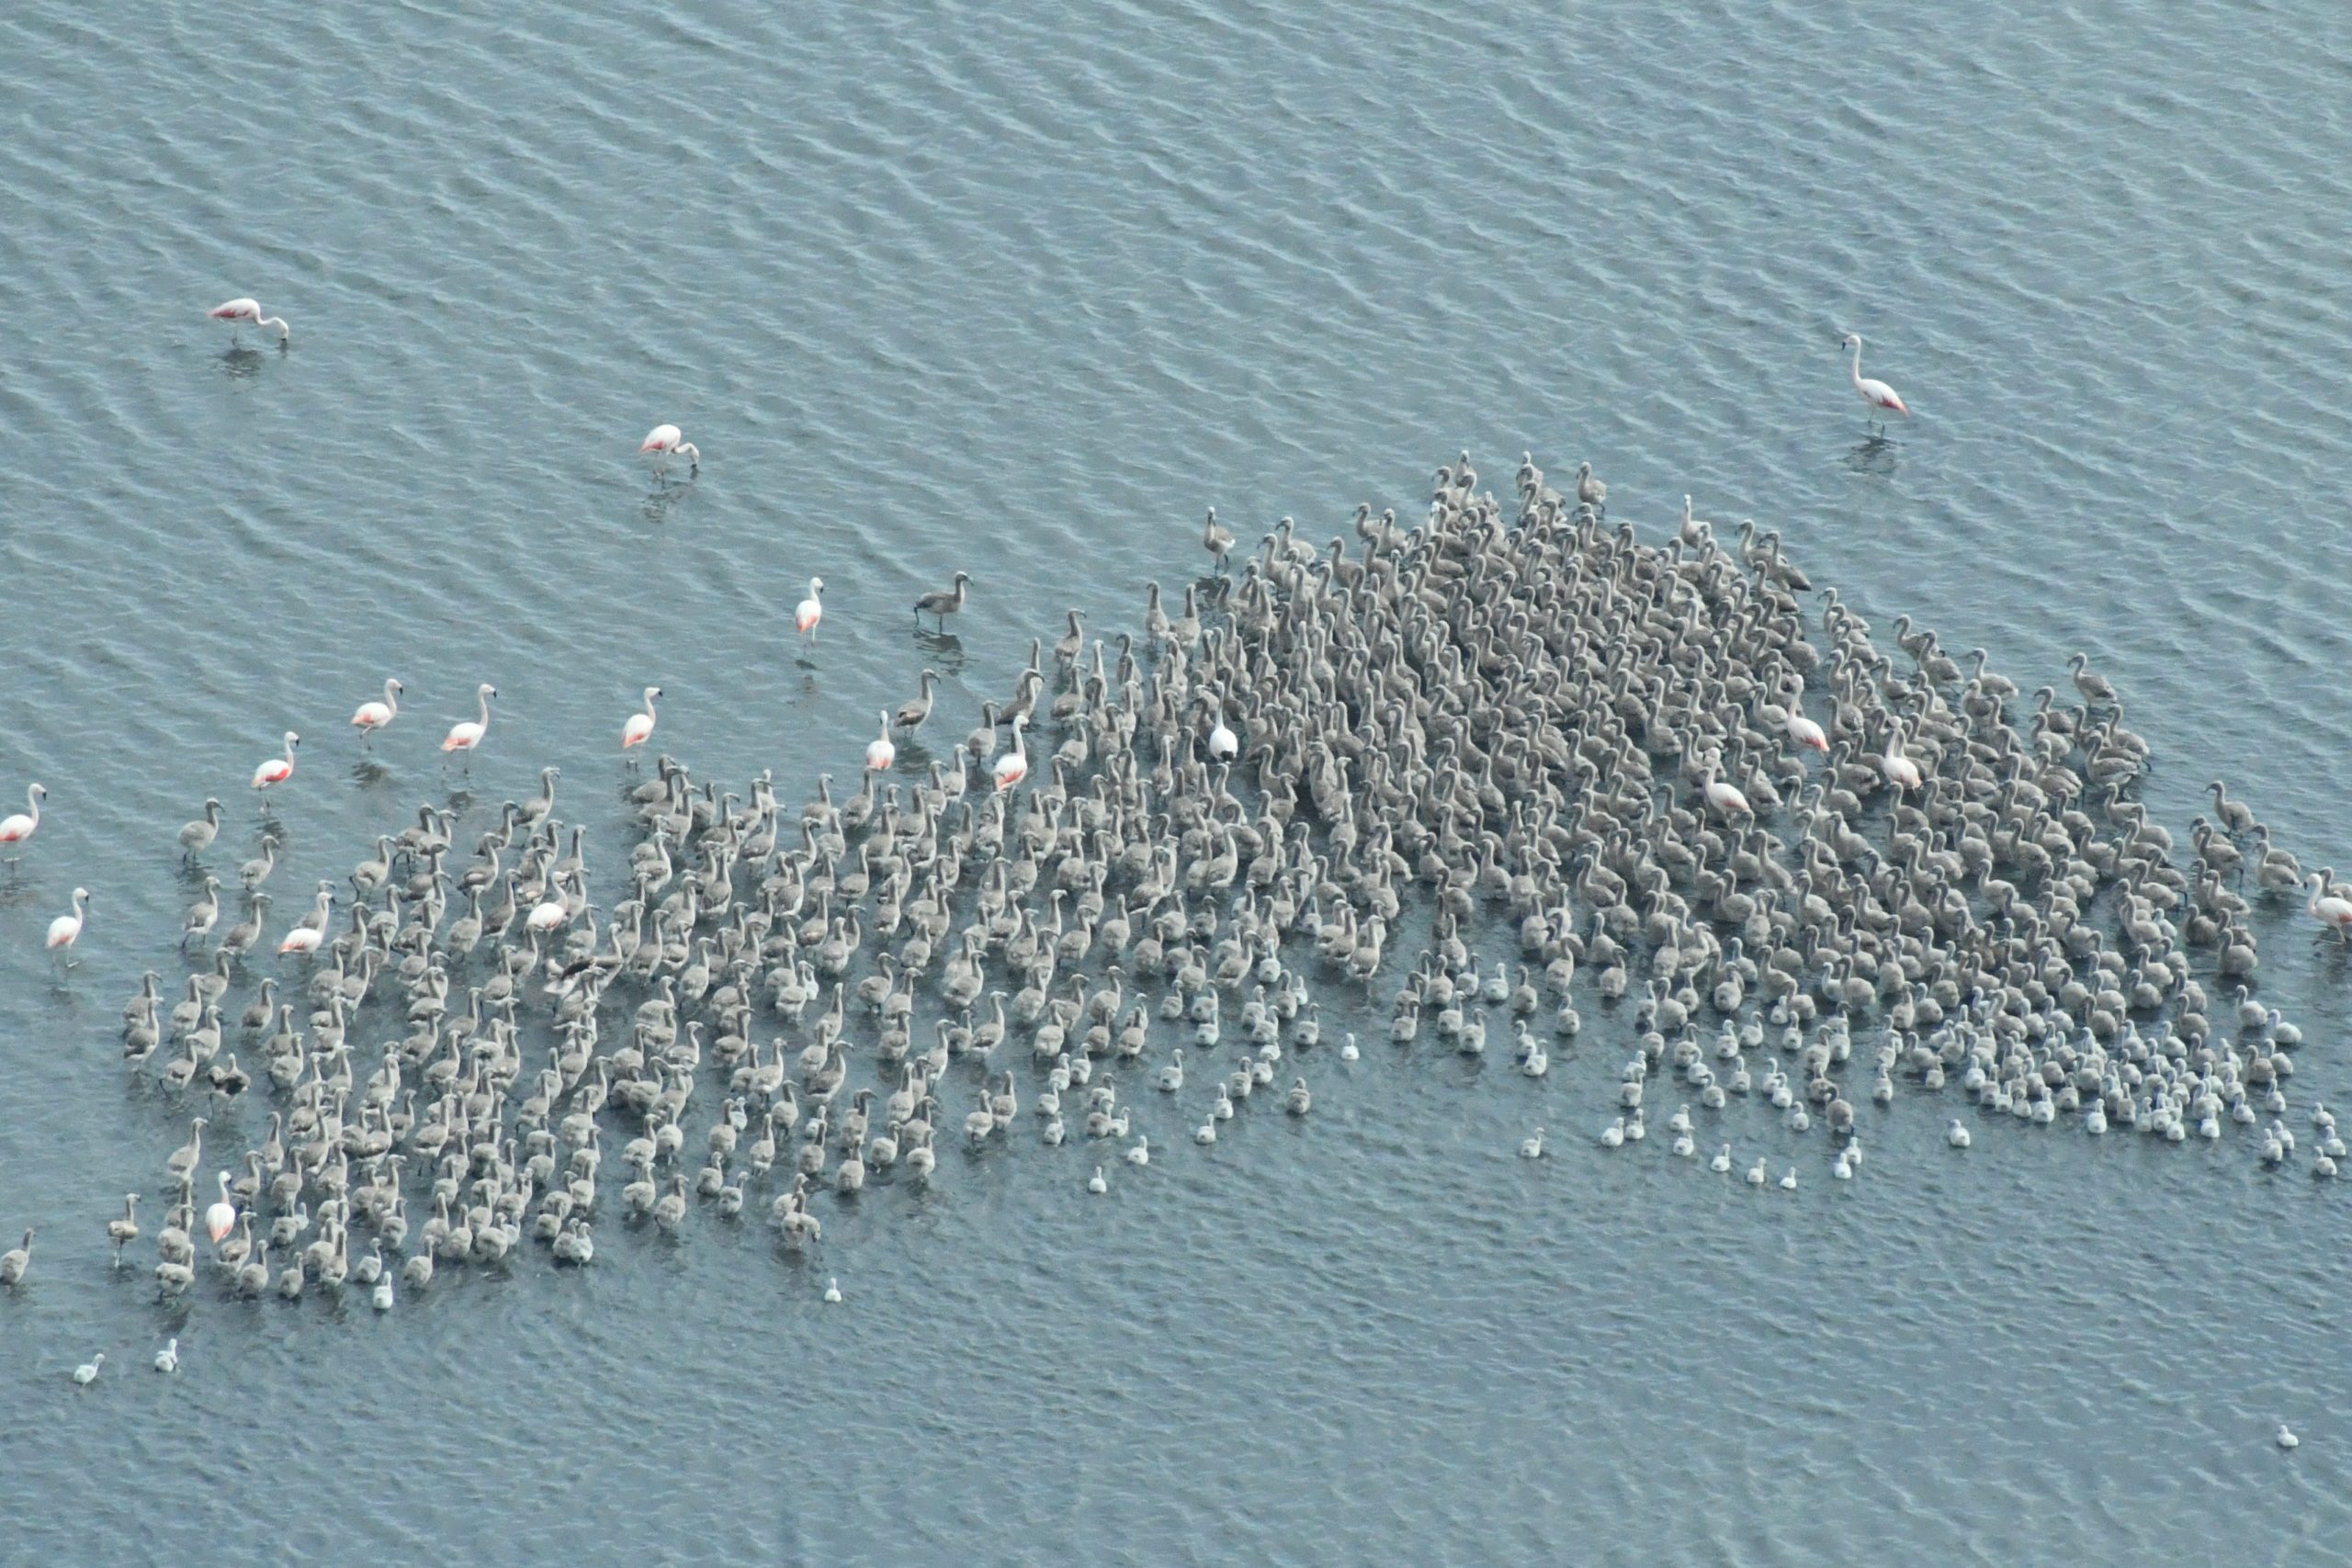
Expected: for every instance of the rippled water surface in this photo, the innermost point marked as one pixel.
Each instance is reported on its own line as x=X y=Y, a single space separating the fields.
x=1021 y=290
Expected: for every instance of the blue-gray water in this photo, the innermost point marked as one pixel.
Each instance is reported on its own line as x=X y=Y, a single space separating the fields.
x=1022 y=289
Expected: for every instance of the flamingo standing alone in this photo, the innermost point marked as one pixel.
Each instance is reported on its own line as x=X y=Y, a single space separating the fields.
x=811 y=610
x=1012 y=767
x=66 y=929
x=880 y=752
x=234 y=312
x=373 y=716
x=277 y=770
x=16 y=828
x=467 y=734
x=639 y=728
x=1878 y=394
x=665 y=441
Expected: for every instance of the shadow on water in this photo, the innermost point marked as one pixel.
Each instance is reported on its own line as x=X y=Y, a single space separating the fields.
x=946 y=647
x=1875 y=455
x=658 y=502
x=240 y=363
x=370 y=774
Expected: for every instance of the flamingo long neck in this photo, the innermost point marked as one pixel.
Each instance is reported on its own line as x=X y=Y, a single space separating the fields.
x=279 y=322
x=32 y=805
x=484 y=698
x=1858 y=363
x=391 y=697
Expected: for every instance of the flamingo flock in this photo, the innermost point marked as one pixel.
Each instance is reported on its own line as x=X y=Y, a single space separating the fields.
x=1519 y=717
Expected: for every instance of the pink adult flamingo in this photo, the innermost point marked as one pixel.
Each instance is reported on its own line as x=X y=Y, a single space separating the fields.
x=639 y=728
x=1727 y=798
x=66 y=929
x=277 y=770
x=664 y=441
x=1012 y=766
x=811 y=610
x=248 y=310
x=1878 y=394
x=222 y=1217
x=373 y=716
x=1802 y=729
x=880 y=752
x=2325 y=905
x=467 y=735
x=16 y=828
x=1901 y=771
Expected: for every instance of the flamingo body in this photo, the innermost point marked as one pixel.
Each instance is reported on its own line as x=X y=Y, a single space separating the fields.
x=372 y=716
x=467 y=734
x=249 y=311
x=1878 y=394
x=879 y=752
x=639 y=728
x=277 y=770
x=66 y=929
x=1013 y=766
x=811 y=610
x=16 y=828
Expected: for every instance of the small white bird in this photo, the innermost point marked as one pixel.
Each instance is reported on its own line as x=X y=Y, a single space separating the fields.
x=167 y=1360
x=833 y=1288
x=1205 y=1132
x=639 y=728
x=1531 y=1146
x=1098 y=1182
x=382 y=1295
x=1756 y=1174
x=1956 y=1135
x=1789 y=1182
x=1141 y=1153
x=2288 y=1439
x=1348 y=1052
x=87 y=1372
x=66 y=929
x=1722 y=1162
x=1613 y=1135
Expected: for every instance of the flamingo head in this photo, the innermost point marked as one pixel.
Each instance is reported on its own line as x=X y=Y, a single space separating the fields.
x=1851 y=340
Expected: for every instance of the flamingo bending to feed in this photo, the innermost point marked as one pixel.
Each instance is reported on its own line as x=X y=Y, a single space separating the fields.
x=1878 y=394
x=665 y=441
x=639 y=728
x=467 y=735
x=234 y=312
x=277 y=770
x=373 y=716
